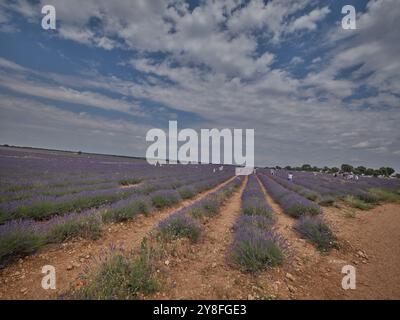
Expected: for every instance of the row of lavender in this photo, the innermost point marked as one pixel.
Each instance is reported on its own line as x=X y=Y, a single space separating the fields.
x=20 y=237
x=368 y=189
x=43 y=207
x=44 y=186
x=185 y=223
x=291 y=202
x=30 y=173
x=311 y=224
x=256 y=245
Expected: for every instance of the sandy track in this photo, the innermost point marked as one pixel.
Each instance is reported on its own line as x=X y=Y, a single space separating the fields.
x=22 y=280
x=201 y=271
x=377 y=234
x=315 y=276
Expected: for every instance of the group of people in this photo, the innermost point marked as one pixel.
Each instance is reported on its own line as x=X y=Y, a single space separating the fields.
x=290 y=175
x=349 y=176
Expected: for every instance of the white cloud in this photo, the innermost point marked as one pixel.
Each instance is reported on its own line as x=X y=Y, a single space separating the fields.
x=217 y=70
x=309 y=21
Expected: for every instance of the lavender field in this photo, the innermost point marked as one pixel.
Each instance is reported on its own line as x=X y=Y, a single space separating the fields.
x=50 y=196
x=52 y=200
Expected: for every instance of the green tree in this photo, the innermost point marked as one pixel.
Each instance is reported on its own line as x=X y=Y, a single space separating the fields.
x=360 y=170
x=369 y=172
x=346 y=168
x=334 y=170
x=389 y=171
x=306 y=167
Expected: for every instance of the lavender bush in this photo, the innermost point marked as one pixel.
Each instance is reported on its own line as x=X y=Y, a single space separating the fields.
x=256 y=245
x=291 y=202
x=62 y=228
x=180 y=225
x=255 y=249
x=253 y=199
x=317 y=231
x=127 y=209
x=18 y=238
x=165 y=198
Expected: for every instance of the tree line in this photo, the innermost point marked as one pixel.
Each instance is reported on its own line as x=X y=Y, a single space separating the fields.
x=345 y=168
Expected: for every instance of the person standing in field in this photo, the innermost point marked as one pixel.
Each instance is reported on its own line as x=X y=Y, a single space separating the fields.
x=290 y=176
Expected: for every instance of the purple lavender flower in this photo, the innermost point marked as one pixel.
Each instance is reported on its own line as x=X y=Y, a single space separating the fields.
x=180 y=225
x=317 y=231
x=291 y=202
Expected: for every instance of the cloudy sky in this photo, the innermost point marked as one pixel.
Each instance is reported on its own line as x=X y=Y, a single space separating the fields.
x=112 y=70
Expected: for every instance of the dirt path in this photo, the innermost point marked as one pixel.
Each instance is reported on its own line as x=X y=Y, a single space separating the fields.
x=287 y=279
x=22 y=280
x=201 y=271
x=370 y=242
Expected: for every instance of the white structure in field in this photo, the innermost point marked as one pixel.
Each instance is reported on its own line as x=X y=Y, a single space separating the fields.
x=244 y=171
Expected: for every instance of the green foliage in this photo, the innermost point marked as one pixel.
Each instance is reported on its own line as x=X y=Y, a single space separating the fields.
x=358 y=203
x=19 y=243
x=164 y=201
x=128 y=182
x=180 y=226
x=122 y=278
x=326 y=201
x=186 y=193
x=347 y=168
x=125 y=213
x=385 y=195
x=89 y=227
x=318 y=232
x=43 y=210
x=299 y=210
x=253 y=256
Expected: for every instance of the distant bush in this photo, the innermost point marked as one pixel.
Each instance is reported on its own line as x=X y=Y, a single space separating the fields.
x=122 y=278
x=165 y=198
x=22 y=237
x=358 y=203
x=125 y=212
x=180 y=225
x=255 y=222
x=211 y=206
x=18 y=239
x=254 y=249
x=326 y=201
x=297 y=210
x=258 y=211
x=187 y=192
x=385 y=195
x=317 y=231
x=368 y=197
x=88 y=227
x=313 y=196
x=128 y=182
x=42 y=210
